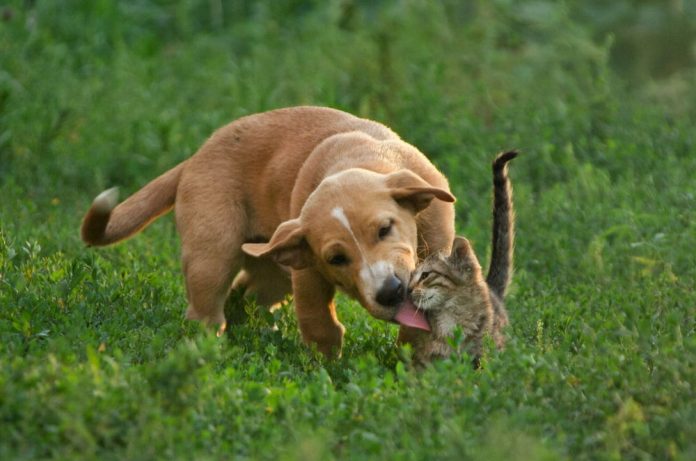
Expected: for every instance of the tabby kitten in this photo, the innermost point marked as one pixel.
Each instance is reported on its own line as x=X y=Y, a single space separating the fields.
x=452 y=290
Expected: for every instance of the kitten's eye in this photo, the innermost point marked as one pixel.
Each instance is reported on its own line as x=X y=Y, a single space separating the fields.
x=384 y=231
x=424 y=276
x=339 y=260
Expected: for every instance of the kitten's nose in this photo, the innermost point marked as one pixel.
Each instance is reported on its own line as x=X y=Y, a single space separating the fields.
x=392 y=292
x=409 y=288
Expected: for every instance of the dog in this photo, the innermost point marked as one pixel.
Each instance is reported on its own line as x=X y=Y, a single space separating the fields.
x=303 y=200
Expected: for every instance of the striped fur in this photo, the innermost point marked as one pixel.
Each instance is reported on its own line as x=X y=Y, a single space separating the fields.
x=452 y=289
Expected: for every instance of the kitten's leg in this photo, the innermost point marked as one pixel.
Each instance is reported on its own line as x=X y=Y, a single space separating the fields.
x=476 y=363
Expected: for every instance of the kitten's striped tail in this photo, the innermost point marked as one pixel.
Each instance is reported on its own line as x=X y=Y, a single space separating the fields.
x=500 y=270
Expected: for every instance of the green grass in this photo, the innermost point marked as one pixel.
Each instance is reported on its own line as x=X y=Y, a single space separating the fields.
x=96 y=361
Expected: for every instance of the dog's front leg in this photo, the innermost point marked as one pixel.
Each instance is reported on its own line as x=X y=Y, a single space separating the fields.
x=316 y=312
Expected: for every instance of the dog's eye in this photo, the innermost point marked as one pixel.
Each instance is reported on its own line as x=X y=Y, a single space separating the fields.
x=424 y=276
x=339 y=260
x=384 y=231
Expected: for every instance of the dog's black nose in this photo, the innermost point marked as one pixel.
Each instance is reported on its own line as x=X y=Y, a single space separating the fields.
x=392 y=292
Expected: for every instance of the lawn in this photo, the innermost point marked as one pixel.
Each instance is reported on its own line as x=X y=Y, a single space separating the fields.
x=96 y=359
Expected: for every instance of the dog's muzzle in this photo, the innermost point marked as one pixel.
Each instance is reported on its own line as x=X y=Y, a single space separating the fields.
x=392 y=293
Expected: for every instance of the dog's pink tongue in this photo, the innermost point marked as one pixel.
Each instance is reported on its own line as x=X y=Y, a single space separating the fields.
x=409 y=316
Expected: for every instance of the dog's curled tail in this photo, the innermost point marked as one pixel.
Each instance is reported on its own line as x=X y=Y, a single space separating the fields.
x=500 y=270
x=108 y=222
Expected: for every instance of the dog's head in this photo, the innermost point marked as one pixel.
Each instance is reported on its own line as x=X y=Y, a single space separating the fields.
x=358 y=229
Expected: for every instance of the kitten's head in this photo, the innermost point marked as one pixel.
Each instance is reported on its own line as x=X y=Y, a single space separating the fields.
x=439 y=277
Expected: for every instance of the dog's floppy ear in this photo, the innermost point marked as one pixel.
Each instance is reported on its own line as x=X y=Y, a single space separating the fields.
x=411 y=191
x=287 y=247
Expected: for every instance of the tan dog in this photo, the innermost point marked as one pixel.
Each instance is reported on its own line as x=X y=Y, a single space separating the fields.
x=341 y=200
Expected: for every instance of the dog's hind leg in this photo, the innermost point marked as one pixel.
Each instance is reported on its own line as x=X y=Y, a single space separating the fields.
x=211 y=239
x=268 y=285
x=264 y=279
x=208 y=276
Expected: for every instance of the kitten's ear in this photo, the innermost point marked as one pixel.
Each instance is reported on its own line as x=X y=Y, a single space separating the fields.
x=463 y=255
x=461 y=249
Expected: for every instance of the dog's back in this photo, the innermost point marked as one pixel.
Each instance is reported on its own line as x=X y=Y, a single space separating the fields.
x=264 y=165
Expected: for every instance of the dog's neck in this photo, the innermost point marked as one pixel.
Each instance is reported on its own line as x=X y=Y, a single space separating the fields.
x=355 y=150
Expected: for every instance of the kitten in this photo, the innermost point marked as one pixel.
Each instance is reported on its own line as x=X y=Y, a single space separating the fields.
x=451 y=289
